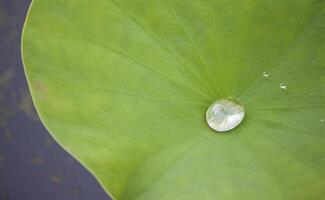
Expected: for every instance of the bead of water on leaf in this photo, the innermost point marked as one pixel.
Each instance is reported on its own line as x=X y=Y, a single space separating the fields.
x=224 y=115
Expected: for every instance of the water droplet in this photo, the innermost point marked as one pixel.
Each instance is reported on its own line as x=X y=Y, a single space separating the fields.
x=224 y=115
x=322 y=120
x=265 y=74
x=270 y=112
x=283 y=86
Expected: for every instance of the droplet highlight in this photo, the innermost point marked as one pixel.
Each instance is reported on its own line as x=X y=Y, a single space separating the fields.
x=283 y=86
x=265 y=74
x=224 y=115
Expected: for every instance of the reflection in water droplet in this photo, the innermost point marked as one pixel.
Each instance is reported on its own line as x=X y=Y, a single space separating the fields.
x=283 y=86
x=224 y=115
x=265 y=74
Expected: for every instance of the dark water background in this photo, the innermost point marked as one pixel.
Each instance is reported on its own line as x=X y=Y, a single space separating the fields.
x=32 y=165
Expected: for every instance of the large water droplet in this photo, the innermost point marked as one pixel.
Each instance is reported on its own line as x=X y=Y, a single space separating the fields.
x=224 y=115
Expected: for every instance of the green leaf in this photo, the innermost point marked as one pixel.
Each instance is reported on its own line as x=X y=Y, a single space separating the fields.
x=124 y=87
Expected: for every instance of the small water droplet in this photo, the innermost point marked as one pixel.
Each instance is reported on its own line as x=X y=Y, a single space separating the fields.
x=224 y=115
x=270 y=112
x=265 y=74
x=311 y=94
x=322 y=120
x=283 y=86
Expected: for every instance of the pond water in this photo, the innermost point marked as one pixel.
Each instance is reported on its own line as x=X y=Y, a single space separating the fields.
x=32 y=165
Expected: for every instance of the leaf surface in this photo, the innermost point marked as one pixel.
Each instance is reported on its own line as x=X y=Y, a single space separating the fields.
x=124 y=87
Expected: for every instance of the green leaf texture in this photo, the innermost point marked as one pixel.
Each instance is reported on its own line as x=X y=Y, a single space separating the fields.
x=123 y=85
